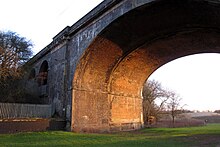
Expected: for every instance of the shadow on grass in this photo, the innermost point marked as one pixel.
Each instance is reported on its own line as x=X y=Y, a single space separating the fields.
x=162 y=137
x=73 y=139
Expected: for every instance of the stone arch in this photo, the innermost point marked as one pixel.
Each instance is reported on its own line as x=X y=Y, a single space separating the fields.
x=42 y=81
x=43 y=74
x=109 y=77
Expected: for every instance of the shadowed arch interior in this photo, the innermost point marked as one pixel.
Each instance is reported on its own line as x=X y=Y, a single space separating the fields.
x=109 y=77
x=43 y=73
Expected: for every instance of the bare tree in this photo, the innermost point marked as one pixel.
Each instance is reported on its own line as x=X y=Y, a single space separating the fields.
x=174 y=106
x=154 y=100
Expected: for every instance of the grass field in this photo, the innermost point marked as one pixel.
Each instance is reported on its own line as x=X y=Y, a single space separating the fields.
x=156 y=137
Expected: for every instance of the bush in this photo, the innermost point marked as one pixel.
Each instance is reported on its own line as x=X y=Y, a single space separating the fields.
x=217 y=111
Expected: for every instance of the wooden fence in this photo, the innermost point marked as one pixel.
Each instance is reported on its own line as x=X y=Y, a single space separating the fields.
x=14 y=110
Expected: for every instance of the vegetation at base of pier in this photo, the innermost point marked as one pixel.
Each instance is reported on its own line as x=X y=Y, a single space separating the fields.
x=193 y=136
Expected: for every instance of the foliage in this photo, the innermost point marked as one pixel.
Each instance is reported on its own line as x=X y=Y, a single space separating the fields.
x=14 y=52
x=164 y=137
x=10 y=91
x=217 y=111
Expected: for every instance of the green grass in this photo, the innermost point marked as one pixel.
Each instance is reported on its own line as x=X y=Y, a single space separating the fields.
x=155 y=137
x=186 y=131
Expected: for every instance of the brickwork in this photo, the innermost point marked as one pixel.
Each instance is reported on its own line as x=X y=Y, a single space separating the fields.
x=97 y=67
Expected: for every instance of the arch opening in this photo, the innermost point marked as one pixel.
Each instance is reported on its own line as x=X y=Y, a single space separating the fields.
x=195 y=78
x=111 y=73
x=43 y=72
x=42 y=81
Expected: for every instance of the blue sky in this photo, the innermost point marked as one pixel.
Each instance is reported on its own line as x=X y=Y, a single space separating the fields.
x=195 y=78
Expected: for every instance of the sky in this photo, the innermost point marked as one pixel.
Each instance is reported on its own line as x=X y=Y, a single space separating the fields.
x=41 y=20
x=195 y=78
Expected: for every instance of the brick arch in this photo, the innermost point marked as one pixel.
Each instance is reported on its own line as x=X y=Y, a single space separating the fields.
x=107 y=88
x=90 y=86
x=138 y=65
x=109 y=77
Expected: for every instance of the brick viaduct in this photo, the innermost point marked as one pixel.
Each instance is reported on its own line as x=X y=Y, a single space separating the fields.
x=93 y=71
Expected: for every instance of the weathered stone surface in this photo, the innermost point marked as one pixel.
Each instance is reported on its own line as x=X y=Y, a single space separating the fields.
x=96 y=68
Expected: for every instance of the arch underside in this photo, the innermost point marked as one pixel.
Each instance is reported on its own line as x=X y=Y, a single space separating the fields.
x=109 y=78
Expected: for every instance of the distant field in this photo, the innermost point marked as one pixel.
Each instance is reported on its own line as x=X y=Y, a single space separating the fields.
x=208 y=135
x=201 y=114
x=207 y=117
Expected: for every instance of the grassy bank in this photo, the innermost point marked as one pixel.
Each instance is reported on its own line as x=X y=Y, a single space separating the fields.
x=154 y=137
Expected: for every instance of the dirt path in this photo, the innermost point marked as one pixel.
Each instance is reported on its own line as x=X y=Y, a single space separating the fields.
x=203 y=140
